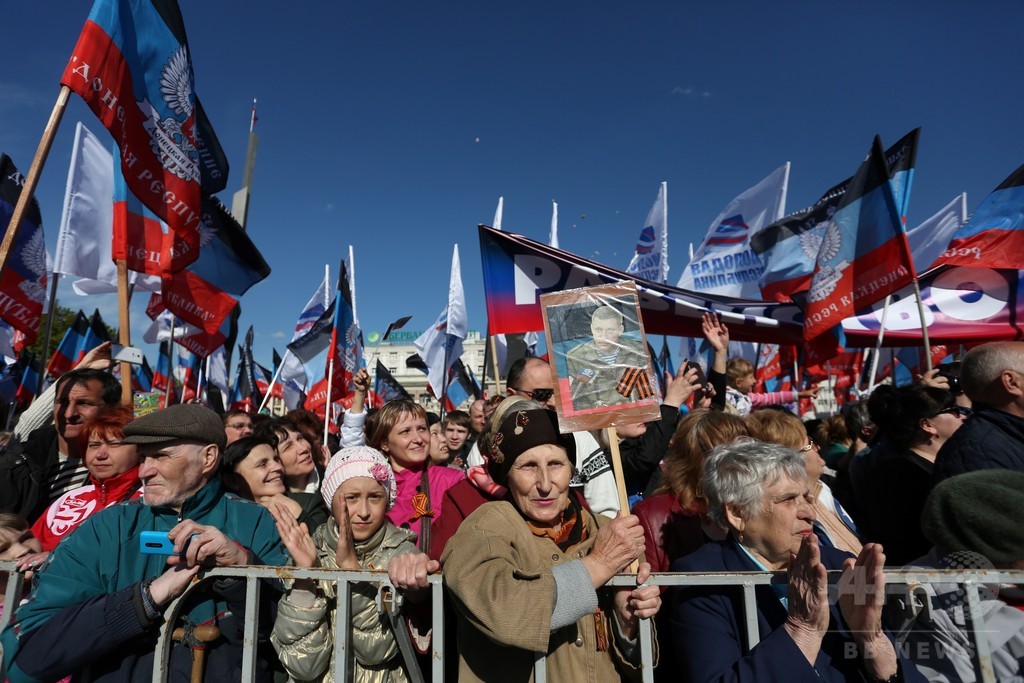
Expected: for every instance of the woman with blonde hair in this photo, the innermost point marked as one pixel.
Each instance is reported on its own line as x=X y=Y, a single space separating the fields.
x=832 y=523
x=399 y=431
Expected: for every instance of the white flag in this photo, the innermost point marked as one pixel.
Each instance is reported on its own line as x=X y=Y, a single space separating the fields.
x=651 y=258
x=441 y=345
x=553 y=235
x=217 y=372
x=86 y=225
x=160 y=329
x=931 y=238
x=724 y=263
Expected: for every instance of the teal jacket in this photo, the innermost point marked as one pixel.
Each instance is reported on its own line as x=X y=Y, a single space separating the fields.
x=85 y=613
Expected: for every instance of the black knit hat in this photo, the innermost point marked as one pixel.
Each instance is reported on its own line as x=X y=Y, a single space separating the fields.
x=519 y=431
x=188 y=421
x=978 y=512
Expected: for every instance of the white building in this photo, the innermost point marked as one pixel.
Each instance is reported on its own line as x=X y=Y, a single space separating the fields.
x=394 y=353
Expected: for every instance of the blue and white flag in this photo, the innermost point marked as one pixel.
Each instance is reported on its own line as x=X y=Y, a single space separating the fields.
x=724 y=263
x=441 y=345
x=292 y=370
x=931 y=238
x=650 y=261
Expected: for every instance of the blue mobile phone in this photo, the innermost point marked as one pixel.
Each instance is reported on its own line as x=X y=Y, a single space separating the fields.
x=155 y=543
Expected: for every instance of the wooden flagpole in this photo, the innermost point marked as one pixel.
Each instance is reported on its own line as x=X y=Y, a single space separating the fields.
x=124 y=335
x=620 y=479
x=32 y=178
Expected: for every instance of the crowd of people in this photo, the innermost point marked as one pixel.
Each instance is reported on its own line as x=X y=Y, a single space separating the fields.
x=112 y=517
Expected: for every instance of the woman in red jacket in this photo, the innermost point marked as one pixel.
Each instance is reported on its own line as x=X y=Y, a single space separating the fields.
x=113 y=477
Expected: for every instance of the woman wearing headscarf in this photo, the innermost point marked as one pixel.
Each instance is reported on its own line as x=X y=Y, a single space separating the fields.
x=527 y=573
x=759 y=494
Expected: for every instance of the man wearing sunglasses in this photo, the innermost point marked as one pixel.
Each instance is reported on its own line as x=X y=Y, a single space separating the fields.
x=992 y=376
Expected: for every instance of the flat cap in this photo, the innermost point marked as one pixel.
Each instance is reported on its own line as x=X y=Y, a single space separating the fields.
x=978 y=512
x=189 y=421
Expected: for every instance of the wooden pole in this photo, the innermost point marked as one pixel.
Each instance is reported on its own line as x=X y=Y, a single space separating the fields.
x=497 y=370
x=124 y=336
x=620 y=479
x=327 y=403
x=32 y=179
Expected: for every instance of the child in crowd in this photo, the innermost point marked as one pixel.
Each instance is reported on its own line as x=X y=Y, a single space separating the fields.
x=359 y=487
x=457 y=427
x=741 y=400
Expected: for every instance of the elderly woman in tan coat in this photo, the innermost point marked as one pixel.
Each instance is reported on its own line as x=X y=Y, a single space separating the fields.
x=527 y=573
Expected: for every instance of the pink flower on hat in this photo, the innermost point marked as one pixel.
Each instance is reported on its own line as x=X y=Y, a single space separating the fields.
x=381 y=472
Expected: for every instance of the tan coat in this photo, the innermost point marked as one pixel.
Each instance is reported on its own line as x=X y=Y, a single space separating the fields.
x=499 y=575
x=302 y=636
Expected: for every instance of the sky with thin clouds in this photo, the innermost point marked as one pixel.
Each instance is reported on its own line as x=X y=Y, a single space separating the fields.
x=395 y=126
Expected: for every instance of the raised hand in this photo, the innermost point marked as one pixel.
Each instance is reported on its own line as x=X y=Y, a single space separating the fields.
x=715 y=332
x=345 y=555
x=808 y=598
x=295 y=536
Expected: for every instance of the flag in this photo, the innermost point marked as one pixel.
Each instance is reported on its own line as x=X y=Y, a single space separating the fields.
x=994 y=235
x=133 y=69
x=441 y=345
x=23 y=281
x=160 y=329
x=931 y=238
x=316 y=338
x=650 y=261
x=462 y=385
x=864 y=256
x=163 y=380
x=292 y=369
x=26 y=391
x=84 y=240
x=789 y=247
x=142 y=376
x=217 y=370
x=229 y=264
x=186 y=373
x=724 y=263
x=263 y=379
x=517 y=270
x=247 y=366
x=345 y=347
x=82 y=336
x=386 y=386
x=497 y=213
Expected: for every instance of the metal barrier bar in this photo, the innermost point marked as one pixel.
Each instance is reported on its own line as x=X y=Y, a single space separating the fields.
x=745 y=581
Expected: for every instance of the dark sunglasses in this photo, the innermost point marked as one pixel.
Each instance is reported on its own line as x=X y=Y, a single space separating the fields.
x=956 y=411
x=539 y=395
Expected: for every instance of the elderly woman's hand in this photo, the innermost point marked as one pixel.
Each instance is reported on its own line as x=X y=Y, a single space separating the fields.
x=632 y=604
x=408 y=573
x=808 y=598
x=615 y=547
x=861 y=598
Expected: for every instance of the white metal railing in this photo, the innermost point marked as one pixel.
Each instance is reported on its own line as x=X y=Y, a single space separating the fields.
x=902 y=583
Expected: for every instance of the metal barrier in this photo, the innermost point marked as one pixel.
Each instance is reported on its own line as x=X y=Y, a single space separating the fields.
x=906 y=583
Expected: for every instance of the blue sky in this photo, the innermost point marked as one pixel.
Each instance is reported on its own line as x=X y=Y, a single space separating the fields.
x=370 y=115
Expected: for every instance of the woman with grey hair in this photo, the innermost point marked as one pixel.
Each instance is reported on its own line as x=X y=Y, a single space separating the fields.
x=758 y=493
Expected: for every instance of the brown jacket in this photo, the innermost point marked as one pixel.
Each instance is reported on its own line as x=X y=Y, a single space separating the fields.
x=499 y=575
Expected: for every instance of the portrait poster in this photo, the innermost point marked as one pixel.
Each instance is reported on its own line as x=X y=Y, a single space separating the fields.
x=599 y=356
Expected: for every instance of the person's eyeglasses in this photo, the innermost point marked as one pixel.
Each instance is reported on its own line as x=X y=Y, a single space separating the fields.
x=538 y=395
x=955 y=411
x=808 y=447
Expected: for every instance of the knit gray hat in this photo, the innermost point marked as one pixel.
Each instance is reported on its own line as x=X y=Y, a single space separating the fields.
x=978 y=512
x=189 y=421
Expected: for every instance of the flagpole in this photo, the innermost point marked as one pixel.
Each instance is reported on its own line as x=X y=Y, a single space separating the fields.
x=497 y=370
x=124 y=330
x=170 y=365
x=199 y=382
x=273 y=381
x=444 y=380
x=878 y=345
x=49 y=330
x=327 y=403
x=34 y=171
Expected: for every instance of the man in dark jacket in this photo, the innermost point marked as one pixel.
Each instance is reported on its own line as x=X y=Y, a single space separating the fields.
x=992 y=376
x=98 y=603
x=38 y=470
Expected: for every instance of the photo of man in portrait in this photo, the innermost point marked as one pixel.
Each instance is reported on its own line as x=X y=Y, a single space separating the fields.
x=609 y=368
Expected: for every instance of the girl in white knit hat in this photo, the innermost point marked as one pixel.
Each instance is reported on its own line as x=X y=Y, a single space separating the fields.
x=359 y=488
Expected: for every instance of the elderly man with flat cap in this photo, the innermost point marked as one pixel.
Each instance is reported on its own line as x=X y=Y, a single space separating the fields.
x=98 y=603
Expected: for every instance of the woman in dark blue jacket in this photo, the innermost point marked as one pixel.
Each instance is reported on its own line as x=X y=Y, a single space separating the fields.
x=758 y=492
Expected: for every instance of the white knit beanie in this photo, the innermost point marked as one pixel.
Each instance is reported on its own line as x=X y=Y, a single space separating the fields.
x=358 y=461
